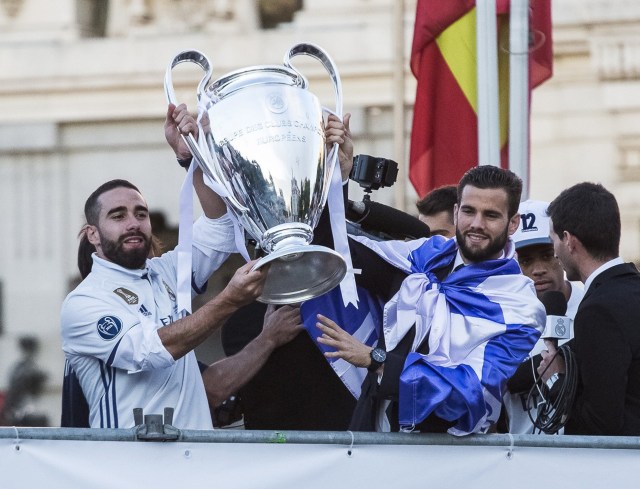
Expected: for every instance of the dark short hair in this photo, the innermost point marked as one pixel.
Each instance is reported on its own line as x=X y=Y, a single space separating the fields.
x=488 y=176
x=590 y=212
x=91 y=207
x=438 y=200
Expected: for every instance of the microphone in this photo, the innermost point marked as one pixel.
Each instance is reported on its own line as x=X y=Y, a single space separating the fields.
x=555 y=410
x=558 y=325
x=383 y=218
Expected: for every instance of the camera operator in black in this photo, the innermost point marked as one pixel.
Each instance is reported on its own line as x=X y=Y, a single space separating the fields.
x=296 y=388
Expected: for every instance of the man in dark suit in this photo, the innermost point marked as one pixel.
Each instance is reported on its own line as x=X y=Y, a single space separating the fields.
x=585 y=229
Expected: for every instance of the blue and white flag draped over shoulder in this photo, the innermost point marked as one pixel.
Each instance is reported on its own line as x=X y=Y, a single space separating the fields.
x=482 y=321
x=363 y=322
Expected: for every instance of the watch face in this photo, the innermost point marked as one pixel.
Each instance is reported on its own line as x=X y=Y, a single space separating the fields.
x=379 y=355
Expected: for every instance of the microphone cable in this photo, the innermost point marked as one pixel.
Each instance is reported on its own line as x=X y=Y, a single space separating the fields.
x=553 y=414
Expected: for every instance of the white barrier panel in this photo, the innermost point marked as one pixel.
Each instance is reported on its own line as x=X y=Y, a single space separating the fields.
x=68 y=464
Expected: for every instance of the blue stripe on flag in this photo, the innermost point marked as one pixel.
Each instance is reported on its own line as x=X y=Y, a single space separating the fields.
x=435 y=253
x=453 y=394
x=469 y=303
x=365 y=322
x=499 y=366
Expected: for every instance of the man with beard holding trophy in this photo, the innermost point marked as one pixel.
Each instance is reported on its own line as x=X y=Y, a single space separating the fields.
x=126 y=344
x=122 y=333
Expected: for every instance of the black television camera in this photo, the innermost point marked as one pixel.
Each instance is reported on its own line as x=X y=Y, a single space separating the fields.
x=371 y=172
x=378 y=221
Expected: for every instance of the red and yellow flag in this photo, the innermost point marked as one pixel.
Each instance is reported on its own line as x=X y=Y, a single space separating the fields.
x=444 y=137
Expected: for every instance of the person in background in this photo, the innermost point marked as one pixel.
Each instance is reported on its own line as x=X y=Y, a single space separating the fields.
x=26 y=384
x=436 y=210
x=295 y=388
x=534 y=251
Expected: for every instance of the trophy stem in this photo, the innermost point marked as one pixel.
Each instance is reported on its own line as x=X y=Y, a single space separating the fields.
x=300 y=272
x=286 y=235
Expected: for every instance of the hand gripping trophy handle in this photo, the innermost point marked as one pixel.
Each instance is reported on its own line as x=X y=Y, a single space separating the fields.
x=196 y=57
x=317 y=53
x=334 y=184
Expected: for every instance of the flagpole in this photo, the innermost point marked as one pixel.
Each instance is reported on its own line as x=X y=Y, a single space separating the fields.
x=487 y=55
x=398 y=105
x=519 y=92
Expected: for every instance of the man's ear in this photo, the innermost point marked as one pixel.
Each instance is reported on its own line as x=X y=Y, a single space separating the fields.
x=571 y=241
x=93 y=236
x=455 y=215
x=514 y=222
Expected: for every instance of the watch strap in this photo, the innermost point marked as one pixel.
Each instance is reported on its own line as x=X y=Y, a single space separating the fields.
x=552 y=380
x=186 y=162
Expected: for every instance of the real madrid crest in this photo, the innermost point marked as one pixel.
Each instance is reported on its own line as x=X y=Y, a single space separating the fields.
x=172 y=295
x=560 y=328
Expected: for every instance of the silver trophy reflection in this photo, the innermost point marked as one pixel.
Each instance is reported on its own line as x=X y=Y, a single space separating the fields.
x=262 y=140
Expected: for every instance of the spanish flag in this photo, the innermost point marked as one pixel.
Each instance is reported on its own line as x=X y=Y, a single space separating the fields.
x=444 y=137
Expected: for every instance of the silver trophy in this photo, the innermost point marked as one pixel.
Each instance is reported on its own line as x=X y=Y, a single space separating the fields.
x=262 y=140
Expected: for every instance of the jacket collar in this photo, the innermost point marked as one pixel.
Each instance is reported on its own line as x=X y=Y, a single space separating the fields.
x=602 y=268
x=596 y=280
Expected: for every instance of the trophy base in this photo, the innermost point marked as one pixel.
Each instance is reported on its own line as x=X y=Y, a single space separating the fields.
x=299 y=273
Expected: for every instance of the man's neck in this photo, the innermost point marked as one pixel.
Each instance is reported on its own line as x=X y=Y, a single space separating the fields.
x=590 y=265
x=566 y=290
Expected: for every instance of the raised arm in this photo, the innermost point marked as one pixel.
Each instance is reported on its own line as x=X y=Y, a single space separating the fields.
x=178 y=122
x=182 y=336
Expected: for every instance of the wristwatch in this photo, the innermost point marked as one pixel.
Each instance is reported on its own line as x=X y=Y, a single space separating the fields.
x=185 y=163
x=378 y=356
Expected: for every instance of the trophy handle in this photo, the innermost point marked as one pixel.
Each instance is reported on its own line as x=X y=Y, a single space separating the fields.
x=318 y=53
x=193 y=56
x=203 y=62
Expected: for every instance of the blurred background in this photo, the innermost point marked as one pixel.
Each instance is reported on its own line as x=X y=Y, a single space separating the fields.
x=82 y=102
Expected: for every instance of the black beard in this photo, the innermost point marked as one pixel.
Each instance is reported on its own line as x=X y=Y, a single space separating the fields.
x=476 y=255
x=113 y=251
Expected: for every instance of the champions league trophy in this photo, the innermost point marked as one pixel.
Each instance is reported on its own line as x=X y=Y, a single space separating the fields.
x=262 y=143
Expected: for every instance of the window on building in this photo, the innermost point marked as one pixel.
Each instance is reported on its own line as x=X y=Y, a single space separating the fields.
x=92 y=17
x=274 y=12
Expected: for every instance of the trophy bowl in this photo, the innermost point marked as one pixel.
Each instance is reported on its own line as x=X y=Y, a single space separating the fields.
x=262 y=140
